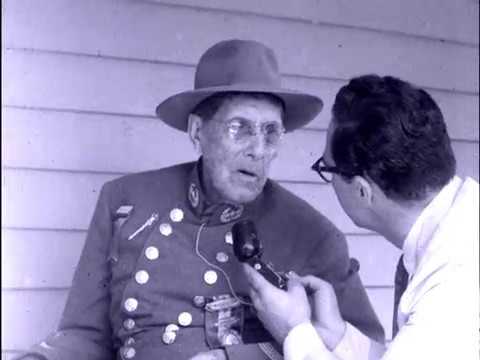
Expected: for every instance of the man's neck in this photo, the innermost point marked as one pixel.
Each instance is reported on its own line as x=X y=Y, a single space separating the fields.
x=395 y=220
x=212 y=197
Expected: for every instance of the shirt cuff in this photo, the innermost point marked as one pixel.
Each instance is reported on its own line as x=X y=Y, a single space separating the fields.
x=302 y=341
x=354 y=345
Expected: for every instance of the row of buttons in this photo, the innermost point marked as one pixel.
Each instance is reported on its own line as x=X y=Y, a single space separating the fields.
x=184 y=319
x=142 y=276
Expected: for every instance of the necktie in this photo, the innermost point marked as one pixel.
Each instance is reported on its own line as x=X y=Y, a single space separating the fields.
x=401 y=282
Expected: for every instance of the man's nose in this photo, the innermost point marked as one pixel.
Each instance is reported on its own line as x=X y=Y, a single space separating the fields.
x=257 y=148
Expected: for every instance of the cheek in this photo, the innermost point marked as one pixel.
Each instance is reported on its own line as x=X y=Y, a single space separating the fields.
x=341 y=193
x=218 y=155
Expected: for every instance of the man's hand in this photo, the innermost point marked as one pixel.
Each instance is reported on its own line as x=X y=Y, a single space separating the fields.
x=326 y=316
x=217 y=354
x=279 y=310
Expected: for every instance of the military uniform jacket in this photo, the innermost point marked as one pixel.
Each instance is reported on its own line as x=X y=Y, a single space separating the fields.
x=154 y=244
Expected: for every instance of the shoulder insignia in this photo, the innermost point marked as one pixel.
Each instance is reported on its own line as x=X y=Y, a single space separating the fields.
x=123 y=211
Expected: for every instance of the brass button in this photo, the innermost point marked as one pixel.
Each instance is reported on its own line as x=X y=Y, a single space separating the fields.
x=185 y=318
x=131 y=304
x=210 y=277
x=129 y=341
x=176 y=215
x=169 y=337
x=152 y=253
x=129 y=352
x=221 y=257
x=129 y=324
x=172 y=328
x=142 y=277
x=165 y=229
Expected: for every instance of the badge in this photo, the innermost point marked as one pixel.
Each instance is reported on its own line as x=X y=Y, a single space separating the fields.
x=223 y=321
x=231 y=213
x=194 y=195
x=121 y=216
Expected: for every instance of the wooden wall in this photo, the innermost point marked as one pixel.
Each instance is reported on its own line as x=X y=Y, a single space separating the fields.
x=81 y=80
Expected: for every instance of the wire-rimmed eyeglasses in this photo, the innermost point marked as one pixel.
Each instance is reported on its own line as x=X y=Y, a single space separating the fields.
x=241 y=131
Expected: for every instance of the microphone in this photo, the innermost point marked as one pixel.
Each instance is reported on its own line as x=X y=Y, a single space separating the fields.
x=248 y=248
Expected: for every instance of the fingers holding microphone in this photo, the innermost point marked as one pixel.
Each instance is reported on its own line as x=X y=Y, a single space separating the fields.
x=279 y=310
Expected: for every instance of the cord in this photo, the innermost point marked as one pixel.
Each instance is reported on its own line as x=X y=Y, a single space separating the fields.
x=197 y=251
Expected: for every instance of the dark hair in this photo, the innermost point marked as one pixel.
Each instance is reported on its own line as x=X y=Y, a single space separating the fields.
x=394 y=133
x=209 y=107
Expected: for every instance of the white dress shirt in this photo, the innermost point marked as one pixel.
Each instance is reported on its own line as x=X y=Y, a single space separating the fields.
x=438 y=314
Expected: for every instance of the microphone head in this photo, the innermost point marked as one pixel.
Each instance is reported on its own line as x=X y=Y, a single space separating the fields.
x=245 y=241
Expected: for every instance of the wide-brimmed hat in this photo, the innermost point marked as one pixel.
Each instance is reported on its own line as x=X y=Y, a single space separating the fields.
x=239 y=66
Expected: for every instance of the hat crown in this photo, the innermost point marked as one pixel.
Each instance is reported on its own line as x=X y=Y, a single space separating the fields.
x=234 y=62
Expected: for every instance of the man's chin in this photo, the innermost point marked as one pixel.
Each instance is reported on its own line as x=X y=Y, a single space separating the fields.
x=243 y=197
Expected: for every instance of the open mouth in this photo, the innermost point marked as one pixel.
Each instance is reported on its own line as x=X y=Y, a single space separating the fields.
x=248 y=173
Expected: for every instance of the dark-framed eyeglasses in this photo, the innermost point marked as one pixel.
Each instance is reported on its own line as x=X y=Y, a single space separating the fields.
x=326 y=172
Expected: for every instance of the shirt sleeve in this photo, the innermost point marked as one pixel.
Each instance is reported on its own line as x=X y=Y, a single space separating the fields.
x=354 y=345
x=303 y=343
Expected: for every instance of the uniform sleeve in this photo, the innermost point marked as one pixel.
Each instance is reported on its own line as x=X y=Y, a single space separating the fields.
x=84 y=332
x=330 y=261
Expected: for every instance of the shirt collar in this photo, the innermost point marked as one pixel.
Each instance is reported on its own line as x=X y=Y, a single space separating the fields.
x=222 y=213
x=420 y=234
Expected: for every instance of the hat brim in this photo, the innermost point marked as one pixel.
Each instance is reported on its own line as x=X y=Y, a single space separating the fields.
x=300 y=108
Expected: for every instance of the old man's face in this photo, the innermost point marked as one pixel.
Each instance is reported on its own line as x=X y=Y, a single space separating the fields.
x=238 y=145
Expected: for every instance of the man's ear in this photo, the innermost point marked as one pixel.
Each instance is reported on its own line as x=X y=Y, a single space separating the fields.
x=363 y=190
x=195 y=124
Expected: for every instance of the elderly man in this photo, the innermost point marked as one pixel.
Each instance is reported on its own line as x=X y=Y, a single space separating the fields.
x=389 y=159
x=158 y=278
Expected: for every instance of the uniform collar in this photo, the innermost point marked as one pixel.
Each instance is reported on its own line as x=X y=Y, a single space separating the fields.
x=416 y=243
x=215 y=214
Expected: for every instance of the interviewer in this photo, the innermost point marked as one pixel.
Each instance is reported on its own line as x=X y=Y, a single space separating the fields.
x=390 y=161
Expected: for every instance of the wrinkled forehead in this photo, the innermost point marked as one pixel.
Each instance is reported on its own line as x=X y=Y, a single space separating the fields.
x=258 y=108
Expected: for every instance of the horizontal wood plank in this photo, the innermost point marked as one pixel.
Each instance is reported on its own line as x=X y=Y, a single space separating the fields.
x=29 y=316
x=45 y=80
x=123 y=144
x=32 y=258
x=61 y=200
x=10 y=355
x=442 y=19
x=138 y=30
x=104 y=143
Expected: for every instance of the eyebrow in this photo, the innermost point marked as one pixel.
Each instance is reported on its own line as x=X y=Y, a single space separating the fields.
x=239 y=118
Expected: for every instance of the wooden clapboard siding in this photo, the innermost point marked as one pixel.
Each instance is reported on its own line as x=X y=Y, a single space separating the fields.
x=325 y=51
x=10 y=355
x=446 y=20
x=60 y=249
x=51 y=200
x=83 y=143
x=28 y=316
x=102 y=85
x=34 y=314
x=81 y=81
